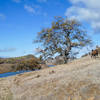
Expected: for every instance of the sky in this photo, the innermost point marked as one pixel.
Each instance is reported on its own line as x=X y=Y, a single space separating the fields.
x=21 y=20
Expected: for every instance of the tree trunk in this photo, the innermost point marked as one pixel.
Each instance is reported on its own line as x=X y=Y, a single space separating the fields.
x=65 y=57
x=66 y=54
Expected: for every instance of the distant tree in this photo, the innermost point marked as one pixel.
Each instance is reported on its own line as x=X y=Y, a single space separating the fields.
x=63 y=36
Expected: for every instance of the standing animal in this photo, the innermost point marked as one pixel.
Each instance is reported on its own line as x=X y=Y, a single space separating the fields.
x=94 y=53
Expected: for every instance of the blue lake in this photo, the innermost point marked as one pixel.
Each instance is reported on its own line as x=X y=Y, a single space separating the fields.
x=51 y=65
x=18 y=72
x=11 y=73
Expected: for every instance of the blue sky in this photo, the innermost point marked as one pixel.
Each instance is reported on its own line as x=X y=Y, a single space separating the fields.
x=20 y=20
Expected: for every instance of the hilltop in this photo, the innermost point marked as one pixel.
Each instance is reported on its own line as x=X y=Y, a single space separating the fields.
x=77 y=80
x=29 y=62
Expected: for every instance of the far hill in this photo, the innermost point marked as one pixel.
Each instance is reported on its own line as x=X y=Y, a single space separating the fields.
x=29 y=62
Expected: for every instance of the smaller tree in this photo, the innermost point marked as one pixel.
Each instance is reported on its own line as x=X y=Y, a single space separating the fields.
x=62 y=38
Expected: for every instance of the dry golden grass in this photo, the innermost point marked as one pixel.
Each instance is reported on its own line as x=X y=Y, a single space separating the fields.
x=78 y=80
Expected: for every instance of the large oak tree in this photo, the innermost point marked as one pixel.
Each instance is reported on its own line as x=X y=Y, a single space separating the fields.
x=63 y=36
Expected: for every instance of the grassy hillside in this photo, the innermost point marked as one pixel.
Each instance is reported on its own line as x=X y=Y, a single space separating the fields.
x=99 y=50
x=28 y=62
x=77 y=80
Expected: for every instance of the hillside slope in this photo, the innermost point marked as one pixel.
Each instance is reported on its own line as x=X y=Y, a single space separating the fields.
x=78 y=80
x=29 y=62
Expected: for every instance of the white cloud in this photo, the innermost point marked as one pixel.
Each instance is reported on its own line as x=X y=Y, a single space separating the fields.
x=88 y=3
x=8 y=50
x=29 y=9
x=37 y=50
x=35 y=9
x=17 y=1
x=86 y=10
x=83 y=13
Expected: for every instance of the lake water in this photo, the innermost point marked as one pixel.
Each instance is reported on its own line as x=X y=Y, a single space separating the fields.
x=51 y=65
x=11 y=73
x=18 y=72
